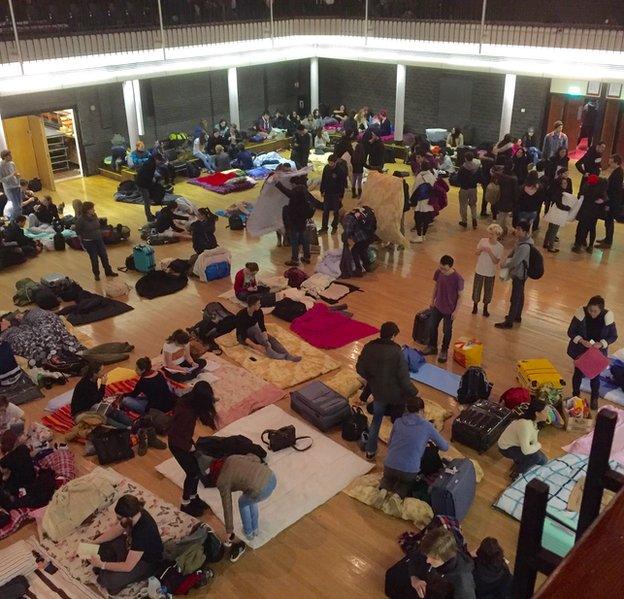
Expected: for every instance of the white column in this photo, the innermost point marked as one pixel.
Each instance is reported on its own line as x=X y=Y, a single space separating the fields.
x=508 y=101
x=3 y=143
x=233 y=96
x=130 y=105
x=399 y=106
x=314 y=84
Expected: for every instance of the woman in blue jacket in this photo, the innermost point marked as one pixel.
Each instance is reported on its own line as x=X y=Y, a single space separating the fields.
x=409 y=438
x=592 y=326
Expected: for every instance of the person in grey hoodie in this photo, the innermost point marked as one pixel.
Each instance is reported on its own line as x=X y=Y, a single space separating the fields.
x=10 y=179
x=467 y=179
x=90 y=235
x=518 y=264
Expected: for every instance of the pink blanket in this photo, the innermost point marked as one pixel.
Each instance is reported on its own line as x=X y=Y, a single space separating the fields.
x=326 y=329
x=582 y=445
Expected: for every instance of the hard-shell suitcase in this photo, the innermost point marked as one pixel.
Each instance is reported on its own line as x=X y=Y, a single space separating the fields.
x=421 y=332
x=453 y=491
x=532 y=374
x=143 y=258
x=320 y=405
x=480 y=425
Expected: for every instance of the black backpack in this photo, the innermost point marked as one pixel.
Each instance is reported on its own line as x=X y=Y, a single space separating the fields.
x=354 y=425
x=111 y=444
x=235 y=222
x=45 y=299
x=59 y=241
x=474 y=385
x=127 y=188
x=535 y=267
x=35 y=184
x=192 y=171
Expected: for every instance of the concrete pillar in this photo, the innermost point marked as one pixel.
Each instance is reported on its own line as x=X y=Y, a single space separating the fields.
x=3 y=143
x=314 y=84
x=399 y=106
x=233 y=96
x=134 y=115
x=508 y=101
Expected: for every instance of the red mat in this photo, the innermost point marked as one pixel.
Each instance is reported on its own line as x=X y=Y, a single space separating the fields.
x=216 y=178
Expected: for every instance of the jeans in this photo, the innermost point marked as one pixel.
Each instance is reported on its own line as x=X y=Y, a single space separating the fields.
x=534 y=154
x=584 y=228
x=298 y=238
x=13 y=207
x=359 y=251
x=516 y=303
x=551 y=234
x=145 y=192
x=523 y=461
x=96 y=249
x=577 y=379
x=118 y=419
x=467 y=197
x=379 y=411
x=529 y=217
x=274 y=349
x=398 y=481
x=248 y=506
x=447 y=329
x=135 y=404
x=209 y=161
x=189 y=464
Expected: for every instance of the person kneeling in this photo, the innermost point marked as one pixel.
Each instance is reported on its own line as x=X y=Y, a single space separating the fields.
x=251 y=331
x=130 y=550
x=519 y=440
x=406 y=447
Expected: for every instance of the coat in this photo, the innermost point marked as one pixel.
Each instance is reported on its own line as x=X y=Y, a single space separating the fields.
x=385 y=369
x=578 y=331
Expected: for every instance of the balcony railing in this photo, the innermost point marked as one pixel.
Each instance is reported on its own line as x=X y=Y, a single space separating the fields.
x=42 y=29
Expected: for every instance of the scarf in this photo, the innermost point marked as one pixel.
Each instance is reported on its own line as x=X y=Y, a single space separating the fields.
x=215 y=471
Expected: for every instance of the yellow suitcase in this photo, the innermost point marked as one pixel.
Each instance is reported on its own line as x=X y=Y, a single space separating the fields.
x=532 y=374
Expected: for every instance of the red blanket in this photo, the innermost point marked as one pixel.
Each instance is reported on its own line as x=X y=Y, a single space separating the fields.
x=326 y=329
x=216 y=178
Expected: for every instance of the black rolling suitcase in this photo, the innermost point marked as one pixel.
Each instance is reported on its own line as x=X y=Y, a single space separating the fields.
x=480 y=425
x=421 y=332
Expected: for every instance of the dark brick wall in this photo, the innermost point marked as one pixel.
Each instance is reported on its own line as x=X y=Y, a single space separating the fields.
x=532 y=94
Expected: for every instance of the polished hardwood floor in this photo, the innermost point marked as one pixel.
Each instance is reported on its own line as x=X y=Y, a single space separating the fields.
x=343 y=548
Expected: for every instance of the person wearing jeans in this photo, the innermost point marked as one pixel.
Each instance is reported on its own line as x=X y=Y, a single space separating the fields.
x=90 y=235
x=144 y=180
x=384 y=368
x=248 y=507
x=198 y=146
x=449 y=285
x=11 y=185
x=300 y=208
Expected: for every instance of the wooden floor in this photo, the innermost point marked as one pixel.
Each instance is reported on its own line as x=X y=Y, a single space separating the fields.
x=343 y=548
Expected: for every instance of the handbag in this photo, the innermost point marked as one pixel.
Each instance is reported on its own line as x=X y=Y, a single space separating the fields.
x=354 y=425
x=283 y=438
x=591 y=362
x=111 y=444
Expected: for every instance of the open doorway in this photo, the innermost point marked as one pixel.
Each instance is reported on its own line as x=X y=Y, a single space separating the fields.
x=63 y=145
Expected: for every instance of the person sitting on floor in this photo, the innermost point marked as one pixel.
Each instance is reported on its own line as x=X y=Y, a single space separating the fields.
x=439 y=559
x=491 y=573
x=221 y=158
x=203 y=231
x=165 y=223
x=44 y=213
x=11 y=416
x=151 y=391
x=407 y=445
x=251 y=331
x=244 y=158
x=18 y=472
x=130 y=550
x=519 y=440
x=88 y=393
x=14 y=233
x=177 y=359
x=245 y=284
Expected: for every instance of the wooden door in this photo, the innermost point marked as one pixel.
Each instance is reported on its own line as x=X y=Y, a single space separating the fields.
x=41 y=151
x=19 y=141
x=571 y=124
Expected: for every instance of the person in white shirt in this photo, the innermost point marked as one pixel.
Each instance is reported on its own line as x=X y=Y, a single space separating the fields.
x=489 y=252
x=11 y=417
x=11 y=185
x=519 y=440
x=199 y=146
x=177 y=359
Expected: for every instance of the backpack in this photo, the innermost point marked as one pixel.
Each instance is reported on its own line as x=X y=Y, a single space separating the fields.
x=473 y=386
x=216 y=312
x=372 y=259
x=111 y=444
x=515 y=396
x=354 y=425
x=535 y=267
x=59 y=242
x=177 y=583
x=35 y=184
x=143 y=258
x=158 y=239
x=192 y=171
x=295 y=276
x=57 y=283
x=44 y=298
x=235 y=222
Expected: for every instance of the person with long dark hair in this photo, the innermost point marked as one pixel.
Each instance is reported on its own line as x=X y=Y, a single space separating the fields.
x=130 y=550
x=592 y=326
x=491 y=572
x=519 y=440
x=503 y=150
x=455 y=139
x=203 y=231
x=177 y=359
x=197 y=404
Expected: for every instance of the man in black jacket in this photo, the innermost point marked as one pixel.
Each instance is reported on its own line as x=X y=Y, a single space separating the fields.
x=375 y=152
x=333 y=183
x=590 y=162
x=144 y=180
x=615 y=195
x=385 y=370
x=301 y=144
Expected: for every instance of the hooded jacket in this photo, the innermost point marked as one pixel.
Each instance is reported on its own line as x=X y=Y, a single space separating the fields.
x=492 y=581
x=589 y=163
x=468 y=175
x=577 y=331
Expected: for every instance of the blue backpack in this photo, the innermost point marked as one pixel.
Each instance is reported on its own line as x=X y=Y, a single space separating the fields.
x=143 y=256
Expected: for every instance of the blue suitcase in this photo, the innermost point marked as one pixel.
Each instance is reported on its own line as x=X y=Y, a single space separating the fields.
x=320 y=405
x=218 y=270
x=143 y=256
x=453 y=491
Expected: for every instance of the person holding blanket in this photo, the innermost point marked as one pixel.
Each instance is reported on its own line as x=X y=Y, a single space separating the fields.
x=592 y=326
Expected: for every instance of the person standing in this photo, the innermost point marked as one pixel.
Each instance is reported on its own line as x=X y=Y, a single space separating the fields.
x=301 y=143
x=359 y=227
x=333 y=183
x=615 y=196
x=594 y=194
x=592 y=326
x=358 y=161
x=11 y=185
x=449 y=285
x=530 y=199
x=467 y=179
x=384 y=368
x=90 y=234
x=591 y=162
x=420 y=194
x=489 y=252
x=517 y=264
x=529 y=143
x=554 y=140
x=375 y=151
x=508 y=195
x=562 y=184
x=144 y=180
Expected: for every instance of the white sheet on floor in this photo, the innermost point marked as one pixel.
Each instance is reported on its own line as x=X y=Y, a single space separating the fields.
x=64 y=399
x=305 y=480
x=231 y=296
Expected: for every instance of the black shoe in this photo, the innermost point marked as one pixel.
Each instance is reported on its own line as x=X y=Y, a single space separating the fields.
x=112 y=274
x=593 y=403
x=603 y=246
x=589 y=249
x=463 y=224
x=576 y=249
x=429 y=351
x=200 y=502
x=475 y=308
x=519 y=319
x=474 y=223
x=292 y=263
x=504 y=325
x=192 y=509
x=96 y=277
x=443 y=356
x=305 y=260
x=237 y=551
x=485 y=311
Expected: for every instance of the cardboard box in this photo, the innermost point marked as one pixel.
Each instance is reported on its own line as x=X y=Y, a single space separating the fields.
x=468 y=352
x=582 y=423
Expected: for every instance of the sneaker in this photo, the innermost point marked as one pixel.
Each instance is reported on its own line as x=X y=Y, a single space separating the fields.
x=443 y=356
x=292 y=263
x=143 y=443
x=463 y=224
x=192 y=509
x=475 y=308
x=417 y=239
x=504 y=325
x=429 y=351
x=237 y=551
x=200 y=502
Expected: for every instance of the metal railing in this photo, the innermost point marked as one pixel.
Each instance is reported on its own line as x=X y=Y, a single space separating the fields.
x=33 y=30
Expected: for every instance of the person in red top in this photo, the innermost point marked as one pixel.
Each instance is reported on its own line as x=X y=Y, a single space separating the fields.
x=245 y=284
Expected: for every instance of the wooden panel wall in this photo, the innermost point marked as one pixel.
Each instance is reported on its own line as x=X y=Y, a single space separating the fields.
x=19 y=141
x=41 y=151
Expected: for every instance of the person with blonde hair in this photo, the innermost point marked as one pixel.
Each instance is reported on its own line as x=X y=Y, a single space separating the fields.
x=489 y=252
x=139 y=156
x=221 y=159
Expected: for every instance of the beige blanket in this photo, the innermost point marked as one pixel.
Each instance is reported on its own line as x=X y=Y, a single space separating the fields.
x=384 y=194
x=282 y=373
